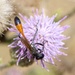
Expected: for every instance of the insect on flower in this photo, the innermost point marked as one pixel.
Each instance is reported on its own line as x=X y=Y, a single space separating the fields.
x=38 y=38
x=36 y=53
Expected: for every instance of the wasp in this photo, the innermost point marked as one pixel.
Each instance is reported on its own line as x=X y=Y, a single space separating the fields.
x=36 y=52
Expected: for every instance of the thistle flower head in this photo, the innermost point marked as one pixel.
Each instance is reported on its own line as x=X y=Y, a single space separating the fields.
x=6 y=10
x=44 y=34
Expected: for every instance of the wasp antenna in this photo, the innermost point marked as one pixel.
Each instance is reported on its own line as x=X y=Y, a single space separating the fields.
x=18 y=25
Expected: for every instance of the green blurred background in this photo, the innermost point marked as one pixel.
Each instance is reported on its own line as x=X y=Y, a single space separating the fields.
x=67 y=64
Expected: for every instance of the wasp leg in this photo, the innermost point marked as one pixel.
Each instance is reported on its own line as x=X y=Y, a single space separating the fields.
x=34 y=36
x=19 y=35
x=39 y=44
x=41 y=50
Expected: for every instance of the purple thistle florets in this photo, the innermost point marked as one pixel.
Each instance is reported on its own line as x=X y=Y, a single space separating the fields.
x=48 y=38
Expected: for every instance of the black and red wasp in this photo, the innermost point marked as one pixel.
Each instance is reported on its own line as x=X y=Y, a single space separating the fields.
x=36 y=52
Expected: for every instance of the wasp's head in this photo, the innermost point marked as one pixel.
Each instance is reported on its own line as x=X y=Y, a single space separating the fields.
x=38 y=56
